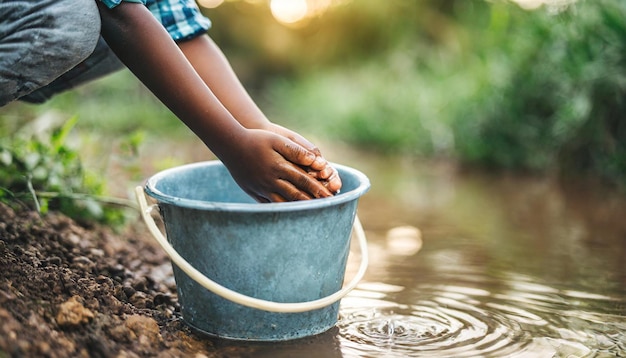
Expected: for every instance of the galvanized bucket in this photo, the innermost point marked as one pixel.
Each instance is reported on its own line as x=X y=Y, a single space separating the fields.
x=251 y=271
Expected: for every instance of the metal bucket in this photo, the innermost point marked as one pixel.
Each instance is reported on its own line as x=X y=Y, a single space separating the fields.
x=251 y=271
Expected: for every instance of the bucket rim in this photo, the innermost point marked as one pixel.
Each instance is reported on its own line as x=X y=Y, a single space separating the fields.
x=151 y=189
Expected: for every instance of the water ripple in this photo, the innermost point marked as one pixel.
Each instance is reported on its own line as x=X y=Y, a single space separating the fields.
x=428 y=328
x=459 y=321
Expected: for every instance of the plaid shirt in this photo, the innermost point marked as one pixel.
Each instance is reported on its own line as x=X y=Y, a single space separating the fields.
x=181 y=18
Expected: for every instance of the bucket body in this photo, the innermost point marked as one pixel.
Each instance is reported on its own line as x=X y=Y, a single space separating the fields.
x=281 y=252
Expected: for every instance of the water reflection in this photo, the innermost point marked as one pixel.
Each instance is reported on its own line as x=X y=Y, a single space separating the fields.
x=508 y=266
x=516 y=318
x=404 y=240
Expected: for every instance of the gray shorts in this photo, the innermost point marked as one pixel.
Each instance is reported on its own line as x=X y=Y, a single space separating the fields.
x=47 y=46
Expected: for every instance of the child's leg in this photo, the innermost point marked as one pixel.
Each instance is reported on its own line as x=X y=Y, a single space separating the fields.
x=42 y=39
x=100 y=63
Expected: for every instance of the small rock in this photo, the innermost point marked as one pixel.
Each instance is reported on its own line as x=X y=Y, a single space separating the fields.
x=6 y=212
x=141 y=300
x=54 y=261
x=162 y=299
x=73 y=313
x=104 y=280
x=83 y=263
x=140 y=284
x=126 y=354
x=44 y=348
x=144 y=330
x=128 y=290
x=97 y=252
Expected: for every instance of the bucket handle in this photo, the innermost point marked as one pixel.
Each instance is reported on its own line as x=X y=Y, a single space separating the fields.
x=242 y=299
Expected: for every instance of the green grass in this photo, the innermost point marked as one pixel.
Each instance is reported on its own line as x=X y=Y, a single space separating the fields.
x=40 y=171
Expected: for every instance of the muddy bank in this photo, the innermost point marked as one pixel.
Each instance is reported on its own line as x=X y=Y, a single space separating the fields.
x=71 y=290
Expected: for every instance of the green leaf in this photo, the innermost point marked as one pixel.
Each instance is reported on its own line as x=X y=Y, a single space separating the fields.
x=57 y=140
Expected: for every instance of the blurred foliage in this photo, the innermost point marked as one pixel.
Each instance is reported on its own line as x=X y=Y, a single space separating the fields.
x=38 y=170
x=482 y=82
x=563 y=98
x=260 y=48
x=493 y=84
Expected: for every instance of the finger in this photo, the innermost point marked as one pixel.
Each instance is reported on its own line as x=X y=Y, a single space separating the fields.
x=325 y=172
x=319 y=163
x=262 y=199
x=288 y=192
x=329 y=177
x=313 y=173
x=258 y=197
x=277 y=198
x=301 y=181
x=313 y=187
x=334 y=182
x=318 y=174
x=295 y=153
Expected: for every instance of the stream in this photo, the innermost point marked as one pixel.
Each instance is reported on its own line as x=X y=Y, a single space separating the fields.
x=475 y=264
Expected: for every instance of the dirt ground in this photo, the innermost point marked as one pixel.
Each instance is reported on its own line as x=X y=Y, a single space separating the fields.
x=68 y=290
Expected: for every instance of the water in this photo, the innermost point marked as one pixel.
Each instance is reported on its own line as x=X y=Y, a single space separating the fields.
x=518 y=319
x=477 y=265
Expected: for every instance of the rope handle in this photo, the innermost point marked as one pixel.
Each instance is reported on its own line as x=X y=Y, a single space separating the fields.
x=242 y=299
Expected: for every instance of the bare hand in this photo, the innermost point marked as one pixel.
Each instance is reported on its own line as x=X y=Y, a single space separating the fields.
x=319 y=169
x=269 y=167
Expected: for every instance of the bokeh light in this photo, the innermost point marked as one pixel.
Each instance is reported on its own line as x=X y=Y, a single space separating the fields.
x=289 y=11
x=210 y=4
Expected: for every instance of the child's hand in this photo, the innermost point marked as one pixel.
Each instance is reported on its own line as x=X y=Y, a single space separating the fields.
x=319 y=169
x=268 y=167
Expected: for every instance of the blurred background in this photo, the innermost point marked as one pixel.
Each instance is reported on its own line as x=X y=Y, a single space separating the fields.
x=493 y=133
x=532 y=86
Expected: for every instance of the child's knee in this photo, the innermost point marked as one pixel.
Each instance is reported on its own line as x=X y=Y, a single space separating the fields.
x=44 y=39
x=74 y=28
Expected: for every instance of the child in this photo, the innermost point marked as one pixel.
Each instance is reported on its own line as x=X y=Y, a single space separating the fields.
x=47 y=46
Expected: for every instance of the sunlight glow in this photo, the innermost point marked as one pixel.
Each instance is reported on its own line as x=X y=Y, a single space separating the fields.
x=210 y=4
x=292 y=13
x=295 y=12
x=289 y=11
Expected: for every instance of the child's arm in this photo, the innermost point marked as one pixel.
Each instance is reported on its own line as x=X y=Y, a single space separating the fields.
x=260 y=161
x=213 y=67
